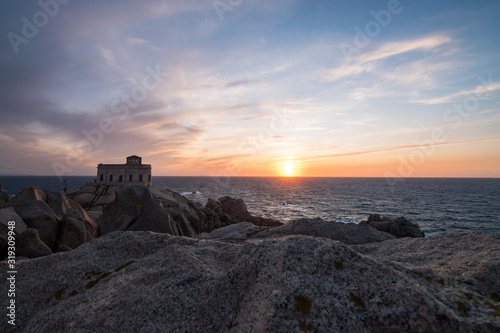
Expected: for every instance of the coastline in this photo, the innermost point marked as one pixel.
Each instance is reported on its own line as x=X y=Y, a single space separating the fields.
x=437 y=205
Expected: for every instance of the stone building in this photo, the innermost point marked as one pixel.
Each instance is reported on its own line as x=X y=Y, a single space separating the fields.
x=131 y=173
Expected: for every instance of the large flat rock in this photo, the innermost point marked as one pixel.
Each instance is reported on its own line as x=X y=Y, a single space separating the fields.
x=148 y=282
x=469 y=259
x=348 y=233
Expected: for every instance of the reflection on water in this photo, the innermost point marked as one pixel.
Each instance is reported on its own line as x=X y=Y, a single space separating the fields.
x=437 y=204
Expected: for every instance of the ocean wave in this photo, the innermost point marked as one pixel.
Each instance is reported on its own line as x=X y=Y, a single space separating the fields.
x=189 y=193
x=348 y=219
x=294 y=207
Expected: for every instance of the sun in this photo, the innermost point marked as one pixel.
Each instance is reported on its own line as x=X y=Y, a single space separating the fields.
x=289 y=169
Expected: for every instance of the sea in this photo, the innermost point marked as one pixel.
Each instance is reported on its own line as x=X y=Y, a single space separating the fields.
x=438 y=205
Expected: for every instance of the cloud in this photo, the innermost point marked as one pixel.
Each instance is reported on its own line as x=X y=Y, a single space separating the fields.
x=394 y=48
x=483 y=91
x=366 y=62
x=110 y=59
x=397 y=148
x=143 y=42
x=361 y=122
x=334 y=74
x=420 y=74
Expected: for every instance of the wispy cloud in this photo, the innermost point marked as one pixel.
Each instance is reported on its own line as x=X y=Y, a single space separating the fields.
x=397 y=148
x=394 y=48
x=365 y=62
x=143 y=42
x=480 y=92
x=338 y=73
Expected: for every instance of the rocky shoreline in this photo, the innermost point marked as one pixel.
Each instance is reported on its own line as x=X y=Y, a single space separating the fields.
x=146 y=259
x=49 y=222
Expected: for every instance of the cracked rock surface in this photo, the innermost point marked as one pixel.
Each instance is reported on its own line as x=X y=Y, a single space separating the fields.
x=242 y=279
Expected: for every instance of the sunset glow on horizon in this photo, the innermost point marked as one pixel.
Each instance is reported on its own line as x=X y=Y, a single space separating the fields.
x=289 y=169
x=287 y=88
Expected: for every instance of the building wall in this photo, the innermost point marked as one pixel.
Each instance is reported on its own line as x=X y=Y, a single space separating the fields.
x=109 y=174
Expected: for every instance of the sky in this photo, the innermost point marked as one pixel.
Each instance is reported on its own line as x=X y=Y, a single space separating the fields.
x=334 y=88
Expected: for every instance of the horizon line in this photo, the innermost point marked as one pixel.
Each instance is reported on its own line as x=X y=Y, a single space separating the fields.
x=291 y=177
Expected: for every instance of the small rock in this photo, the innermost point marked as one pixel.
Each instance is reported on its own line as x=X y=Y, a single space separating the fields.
x=38 y=215
x=7 y=215
x=28 y=194
x=73 y=233
x=348 y=233
x=4 y=196
x=30 y=245
x=399 y=227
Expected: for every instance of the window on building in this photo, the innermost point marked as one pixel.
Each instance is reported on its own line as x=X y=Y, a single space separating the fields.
x=110 y=178
x=101 y=178
x=129 y=178
x=149 y=177
x=140 y=178
x=120 y=179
